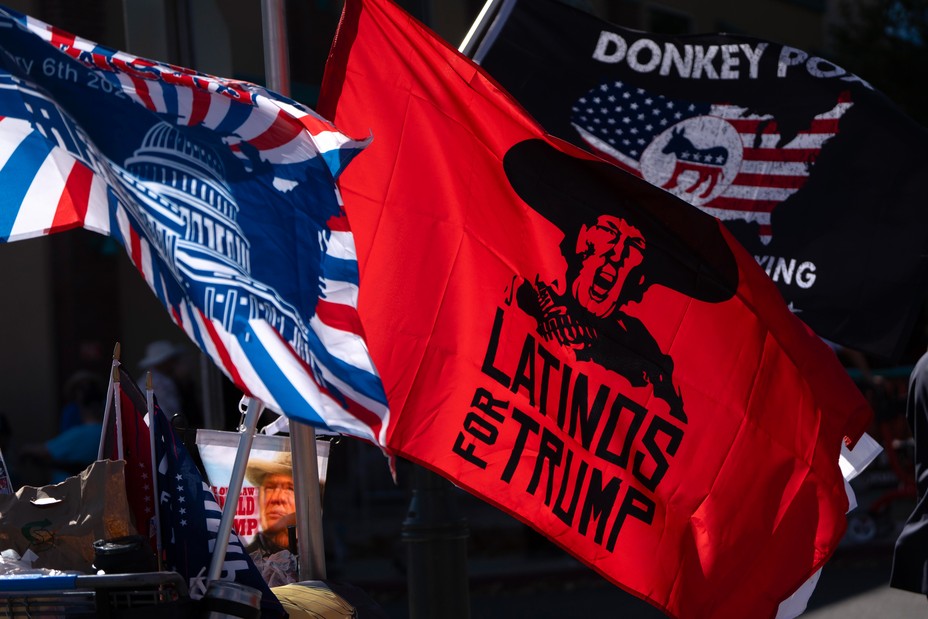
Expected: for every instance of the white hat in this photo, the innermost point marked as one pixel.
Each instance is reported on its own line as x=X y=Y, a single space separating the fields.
x=160 y=351
x=256 y=470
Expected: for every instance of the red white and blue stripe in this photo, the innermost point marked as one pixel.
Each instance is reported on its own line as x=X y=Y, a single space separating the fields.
x=223 y=195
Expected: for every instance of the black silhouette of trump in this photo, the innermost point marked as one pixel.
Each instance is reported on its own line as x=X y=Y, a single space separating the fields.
x=621 y=236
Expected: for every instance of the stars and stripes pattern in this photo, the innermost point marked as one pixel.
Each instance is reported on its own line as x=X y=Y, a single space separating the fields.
x=190 y=517
x=621 y=121
x=188 y=513
x=55 y=178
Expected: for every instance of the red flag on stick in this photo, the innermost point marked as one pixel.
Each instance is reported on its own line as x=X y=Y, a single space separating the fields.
x=580 y=348
x=136 y=453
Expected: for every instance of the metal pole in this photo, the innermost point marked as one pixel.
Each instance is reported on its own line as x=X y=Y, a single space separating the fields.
x=211 y=398
x=436 y=549
x=309 y=537
x=235 y=488
x=472 y=38
x=486 y=29
x=150 y=406
x=276 y=57
x=101 y=450
x=117 y=401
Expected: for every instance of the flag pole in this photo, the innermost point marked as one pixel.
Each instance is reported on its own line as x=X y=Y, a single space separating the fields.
x=117 y=401
x=276 y=56
x=150 y=402
x=474 y=35
x=246 y=438
x=108 y=404
x=309 y=537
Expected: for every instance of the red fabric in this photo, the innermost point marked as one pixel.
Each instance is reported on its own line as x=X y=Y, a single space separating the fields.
x=136 y=453
x=685 y=446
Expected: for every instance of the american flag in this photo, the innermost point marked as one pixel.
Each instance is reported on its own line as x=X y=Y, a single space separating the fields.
x=190 y=517
x=728 y=161
x=223 y=195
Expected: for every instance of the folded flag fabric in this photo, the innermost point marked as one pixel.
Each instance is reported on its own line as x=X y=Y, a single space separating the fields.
x=222 y=194
x=578 y=347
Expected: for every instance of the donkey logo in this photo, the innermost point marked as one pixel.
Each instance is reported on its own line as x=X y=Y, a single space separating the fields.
x=708 y=163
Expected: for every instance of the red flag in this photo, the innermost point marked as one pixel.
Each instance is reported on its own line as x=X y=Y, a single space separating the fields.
x=136 y=453
x=580 y=348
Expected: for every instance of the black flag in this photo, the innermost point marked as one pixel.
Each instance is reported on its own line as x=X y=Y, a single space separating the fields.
x=818 y=175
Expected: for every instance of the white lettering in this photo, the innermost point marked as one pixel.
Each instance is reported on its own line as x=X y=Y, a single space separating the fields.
x=607 y=40
x=634 y=60
x=24 y=63
x=753 y=56
x=781 y=269
x=703 y=62
x=805 y=275
x=785 y=270
x=790 y=56
x=764 y=260
x=672 y=55
x=729 y=62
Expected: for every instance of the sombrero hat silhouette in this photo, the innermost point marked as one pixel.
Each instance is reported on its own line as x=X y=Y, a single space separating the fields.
x=685 y=248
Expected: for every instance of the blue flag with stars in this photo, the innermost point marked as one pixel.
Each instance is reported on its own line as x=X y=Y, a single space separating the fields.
x=190 y=518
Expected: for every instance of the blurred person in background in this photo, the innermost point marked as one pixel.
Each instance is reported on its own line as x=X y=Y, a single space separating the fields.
x=72 y=450
x=172 y=379
x=910 y=558
x=76 y=390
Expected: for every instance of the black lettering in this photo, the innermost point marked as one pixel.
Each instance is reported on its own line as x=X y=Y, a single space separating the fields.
x=526 y=425
x=525 y=371
x=634 y=504
x=598 y=503
x=586 y=417
x=480 y=428
x=638 y=413
x=551 y=451
x=567 y=515
x=487 y=368
x=565 y=392
x=484 y=400
x=467 y=452
x=548 y=361
x=674 y=434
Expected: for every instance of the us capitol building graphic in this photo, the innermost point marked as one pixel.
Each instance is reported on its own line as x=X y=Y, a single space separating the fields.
x=192 y=216
x=186 y=206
